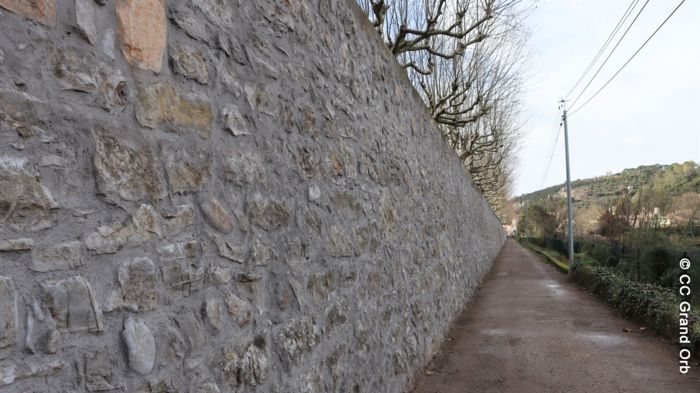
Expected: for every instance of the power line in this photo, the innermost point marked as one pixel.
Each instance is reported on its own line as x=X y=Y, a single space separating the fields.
x=610 y=54
x=557 y=119
x=549 y=162
x=620 y=22
x=554 y=131
x=630 y=59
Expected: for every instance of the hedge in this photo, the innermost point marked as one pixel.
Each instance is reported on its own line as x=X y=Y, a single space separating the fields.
x=654 y=305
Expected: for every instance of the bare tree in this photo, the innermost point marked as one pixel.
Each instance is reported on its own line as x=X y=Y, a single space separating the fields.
x=464 y=59
x=687 y=208
x=416 y=26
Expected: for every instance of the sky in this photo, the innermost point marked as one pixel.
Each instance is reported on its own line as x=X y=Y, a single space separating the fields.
x=649 y=114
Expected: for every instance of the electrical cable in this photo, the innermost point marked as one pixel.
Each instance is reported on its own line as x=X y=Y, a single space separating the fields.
x=630 y=59
x=610 y=54
x=554 y=131
x=546 y=171
x=620 y=22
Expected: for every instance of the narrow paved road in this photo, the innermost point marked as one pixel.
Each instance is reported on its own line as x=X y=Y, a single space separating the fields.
x=529 y=330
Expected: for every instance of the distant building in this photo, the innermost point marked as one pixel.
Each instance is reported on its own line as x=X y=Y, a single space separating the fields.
x=659 y=220
x=512 y=228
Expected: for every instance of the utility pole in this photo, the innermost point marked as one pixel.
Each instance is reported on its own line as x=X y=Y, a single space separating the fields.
x=569 y=204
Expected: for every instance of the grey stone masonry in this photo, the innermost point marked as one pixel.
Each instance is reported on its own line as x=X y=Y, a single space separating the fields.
x=203 y=196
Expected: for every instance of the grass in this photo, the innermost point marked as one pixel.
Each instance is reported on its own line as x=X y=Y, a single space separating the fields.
x=553 y=257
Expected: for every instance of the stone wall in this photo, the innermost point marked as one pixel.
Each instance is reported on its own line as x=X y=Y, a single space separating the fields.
x=222 y=196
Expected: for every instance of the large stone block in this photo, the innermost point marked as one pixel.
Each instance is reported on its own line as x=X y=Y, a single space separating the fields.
x=233 y=120
x=229 y=250
x=24 y=200
x=143 y=226
x=81 y=71
x=72 y=304
x=219 y=275
x=8 y=316
x=177 y=220
x=260 y=253
x=11 y=372
x=213 y=312
x=126 y=169
x=42 y=335
x=182 y=276
x=186 y=19
x=219 y=12
x=186 y=335
x=261 y=101
x=61 y=256
x=181 y=250
x=336 y=317
x=240 y=167
x=345 y=242
x=190 y=63
x=245 y=367
x=179 y=267
x=42 y=11
x=216 y=215
x=187 y=171
x=85 y=17
x=268 y=214
x=138 y=282
x=102 y=372
x=25 y=114
x=321 y=286
x=297 y=338
x=21 y=244
x=140 y=346
x=161 y=105
x=142 y=31
x=239 y=309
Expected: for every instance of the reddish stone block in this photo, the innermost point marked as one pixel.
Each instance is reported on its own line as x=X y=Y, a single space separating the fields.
x=142 y=31
x=42 y=11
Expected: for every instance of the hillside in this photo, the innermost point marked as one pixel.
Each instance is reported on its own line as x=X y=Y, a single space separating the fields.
x=673 y=180
x=665 y=195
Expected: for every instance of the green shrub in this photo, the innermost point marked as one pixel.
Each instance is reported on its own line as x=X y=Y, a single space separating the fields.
x=583 y=258
x=581 y=273
x=598 y=250
x=654 y=305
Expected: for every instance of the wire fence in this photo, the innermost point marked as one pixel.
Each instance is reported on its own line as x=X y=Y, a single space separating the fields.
x=641 y=258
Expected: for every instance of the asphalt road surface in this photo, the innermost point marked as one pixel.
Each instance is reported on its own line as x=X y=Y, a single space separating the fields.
x=530 y=330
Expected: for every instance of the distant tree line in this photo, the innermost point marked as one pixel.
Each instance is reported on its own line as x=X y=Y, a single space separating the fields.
x=645 y=221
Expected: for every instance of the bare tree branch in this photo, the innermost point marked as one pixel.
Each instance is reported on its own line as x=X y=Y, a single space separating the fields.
x=464 y=58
